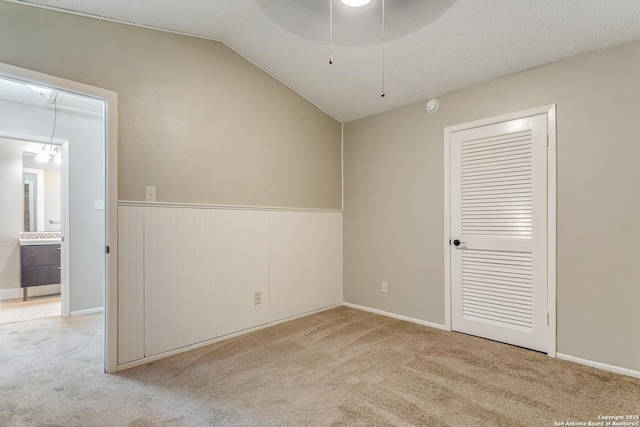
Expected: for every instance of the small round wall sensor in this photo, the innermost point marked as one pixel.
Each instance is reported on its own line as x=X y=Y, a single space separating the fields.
x=432 y=105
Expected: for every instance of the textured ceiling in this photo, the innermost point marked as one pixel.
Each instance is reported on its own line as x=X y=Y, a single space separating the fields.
x=432 y=46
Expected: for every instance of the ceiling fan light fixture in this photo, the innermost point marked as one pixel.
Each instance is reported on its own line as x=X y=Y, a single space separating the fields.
x=356 y=3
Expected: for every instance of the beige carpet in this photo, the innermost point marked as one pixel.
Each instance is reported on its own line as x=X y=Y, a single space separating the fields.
x=16 y=310
x=339 y=367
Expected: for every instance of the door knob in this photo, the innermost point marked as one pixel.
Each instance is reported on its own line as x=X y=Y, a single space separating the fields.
x=458 y=242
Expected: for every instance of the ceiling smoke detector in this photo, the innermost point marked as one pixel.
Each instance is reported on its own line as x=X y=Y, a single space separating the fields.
x=432 y=105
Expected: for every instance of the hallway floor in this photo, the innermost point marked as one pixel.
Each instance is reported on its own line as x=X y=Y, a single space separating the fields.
x=16 y=310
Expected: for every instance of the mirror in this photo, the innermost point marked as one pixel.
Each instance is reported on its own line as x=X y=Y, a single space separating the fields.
x=31 y=190
x=42 y=197
x=30 y=182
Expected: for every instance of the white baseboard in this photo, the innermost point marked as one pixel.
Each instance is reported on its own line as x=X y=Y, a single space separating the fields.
x=397 y=316
x=598 y=365
x=88 y=311
x=150 y=359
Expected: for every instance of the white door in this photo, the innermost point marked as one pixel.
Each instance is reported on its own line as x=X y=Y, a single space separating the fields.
x=499 y=232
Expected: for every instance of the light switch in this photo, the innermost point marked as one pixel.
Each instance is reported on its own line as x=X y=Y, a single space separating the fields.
x=150 y=194
x=99 y=205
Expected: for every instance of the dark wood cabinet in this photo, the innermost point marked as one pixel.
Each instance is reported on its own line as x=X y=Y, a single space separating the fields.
x=40 y=266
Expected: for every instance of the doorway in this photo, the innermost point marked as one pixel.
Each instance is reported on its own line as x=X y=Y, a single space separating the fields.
x=500 y=228
x=85 y=205
x=30 y=252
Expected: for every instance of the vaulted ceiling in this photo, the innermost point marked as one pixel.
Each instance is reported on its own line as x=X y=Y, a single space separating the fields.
x=430 y=47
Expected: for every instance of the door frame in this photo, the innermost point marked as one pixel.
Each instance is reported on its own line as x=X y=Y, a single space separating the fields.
x=65 y=287
x=550 y=111
x=110 y=99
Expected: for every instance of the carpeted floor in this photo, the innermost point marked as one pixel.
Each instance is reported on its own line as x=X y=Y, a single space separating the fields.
x=339 y=367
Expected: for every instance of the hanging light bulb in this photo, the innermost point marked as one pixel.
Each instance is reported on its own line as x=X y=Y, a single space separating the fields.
x=44 y=155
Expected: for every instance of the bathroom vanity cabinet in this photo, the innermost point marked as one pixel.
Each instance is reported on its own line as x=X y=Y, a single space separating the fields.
x=40 y=265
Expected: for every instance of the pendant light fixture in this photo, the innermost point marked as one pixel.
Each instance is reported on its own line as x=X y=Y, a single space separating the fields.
x=382 y=93
x=43 y=155
x=330 y=32
x=48 y=152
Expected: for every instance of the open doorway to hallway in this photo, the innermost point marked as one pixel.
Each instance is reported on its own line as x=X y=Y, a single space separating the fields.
x=82 y=198
x=52 y=228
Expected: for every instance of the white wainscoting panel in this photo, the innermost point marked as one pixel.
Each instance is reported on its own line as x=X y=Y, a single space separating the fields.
x=188 y=274
x=202 y=267
x=305 y=262
x=130 y=284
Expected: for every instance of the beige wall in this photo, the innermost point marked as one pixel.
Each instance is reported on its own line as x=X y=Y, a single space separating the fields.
x=195 y=119
x=394 y=199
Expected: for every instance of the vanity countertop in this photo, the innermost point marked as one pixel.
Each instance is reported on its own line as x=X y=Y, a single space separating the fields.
x=40 y=238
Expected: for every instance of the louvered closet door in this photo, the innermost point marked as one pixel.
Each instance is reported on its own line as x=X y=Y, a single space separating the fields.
x=498 y=213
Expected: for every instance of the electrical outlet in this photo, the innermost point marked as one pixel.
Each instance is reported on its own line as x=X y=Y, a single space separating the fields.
x=384 y=287
x=150 y=194
x=257 y=298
